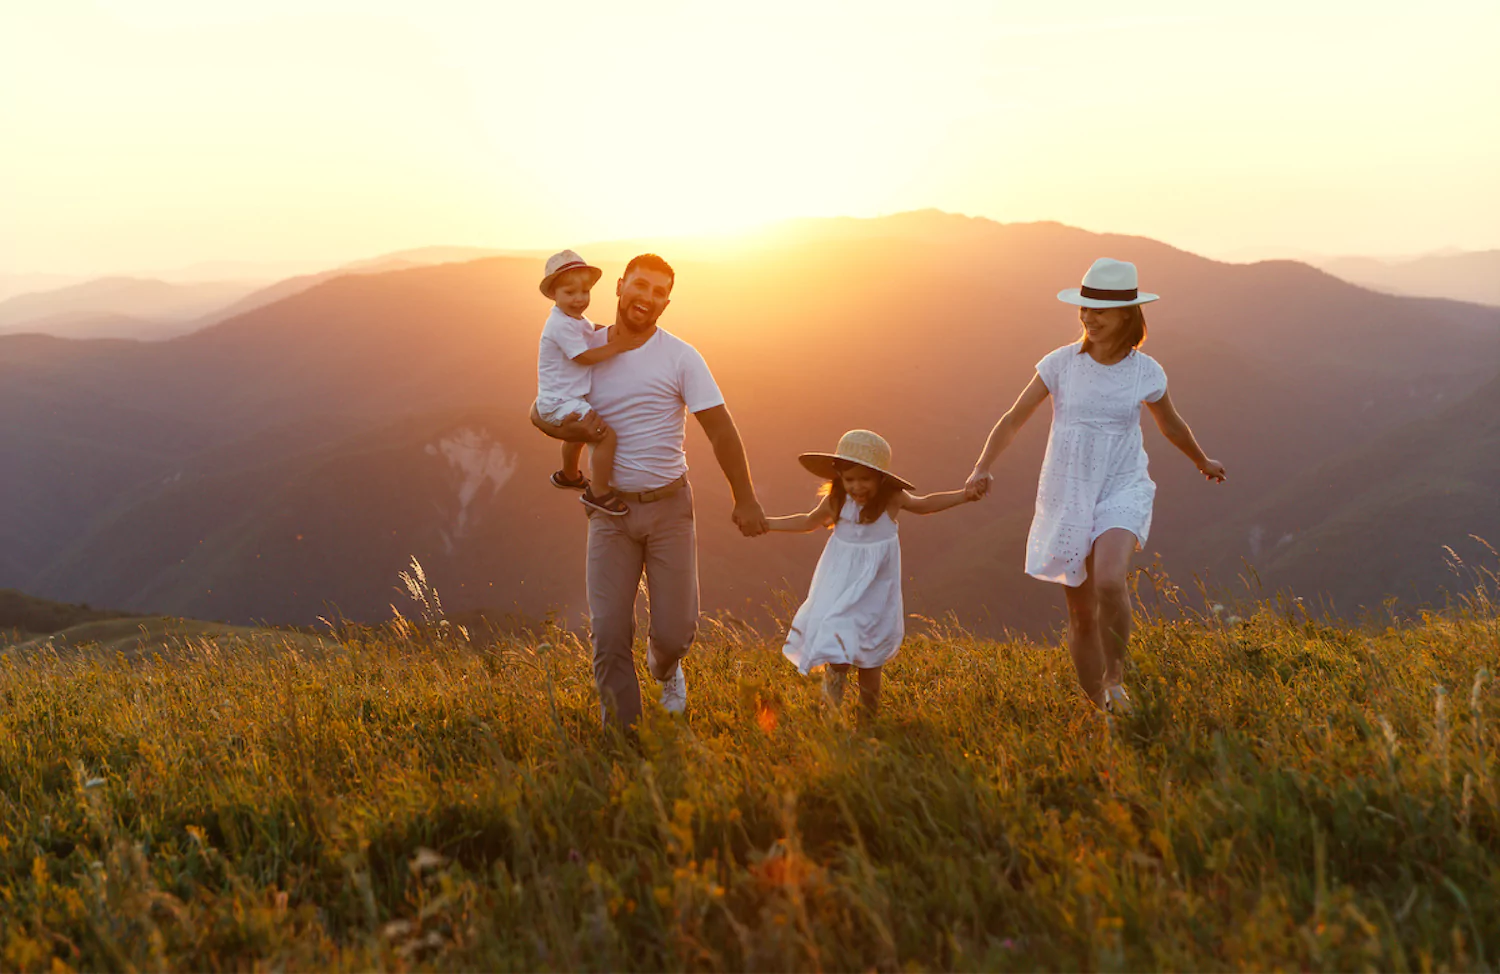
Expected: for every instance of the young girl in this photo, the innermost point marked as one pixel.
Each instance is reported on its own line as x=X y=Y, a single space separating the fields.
x=853 y=614
x=1093 y=503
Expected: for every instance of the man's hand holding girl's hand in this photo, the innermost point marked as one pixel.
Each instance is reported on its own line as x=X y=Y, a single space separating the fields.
x=750 y=519
x=1213 y=470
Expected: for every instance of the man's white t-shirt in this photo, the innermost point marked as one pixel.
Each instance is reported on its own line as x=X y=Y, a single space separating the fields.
x=645 y=395
x=564 y=338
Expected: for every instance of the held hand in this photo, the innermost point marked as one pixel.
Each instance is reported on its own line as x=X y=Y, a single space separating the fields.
x=978 y=485
x=588 y=428
x=1213 y=470
x=750 y=519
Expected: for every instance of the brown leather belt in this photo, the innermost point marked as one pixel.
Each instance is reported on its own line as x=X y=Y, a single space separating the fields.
x=659 y=494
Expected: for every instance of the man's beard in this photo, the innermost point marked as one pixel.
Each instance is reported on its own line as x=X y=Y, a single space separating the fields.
x=622 y=316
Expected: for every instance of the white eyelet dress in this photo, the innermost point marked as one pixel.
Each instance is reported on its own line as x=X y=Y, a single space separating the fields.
x=853 y=613
x=1094 y=474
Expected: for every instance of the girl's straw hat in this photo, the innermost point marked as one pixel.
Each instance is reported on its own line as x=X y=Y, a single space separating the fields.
x=562 y=262
x=857 y=446
x=1108 y=284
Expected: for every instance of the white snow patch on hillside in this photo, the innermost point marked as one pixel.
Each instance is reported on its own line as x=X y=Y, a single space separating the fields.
x=478 y=460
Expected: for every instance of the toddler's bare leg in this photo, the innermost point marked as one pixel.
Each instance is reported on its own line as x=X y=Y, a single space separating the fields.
x=572 y=454
x=602 y=467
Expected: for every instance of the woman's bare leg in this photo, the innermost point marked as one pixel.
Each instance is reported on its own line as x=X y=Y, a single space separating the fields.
x=1083 y=635
x=1111 y=557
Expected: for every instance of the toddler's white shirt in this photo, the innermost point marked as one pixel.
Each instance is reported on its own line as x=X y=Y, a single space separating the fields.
x=564 y=338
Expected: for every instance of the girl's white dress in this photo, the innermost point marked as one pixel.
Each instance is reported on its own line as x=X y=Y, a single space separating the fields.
x=1094 y=475
x=853 y=613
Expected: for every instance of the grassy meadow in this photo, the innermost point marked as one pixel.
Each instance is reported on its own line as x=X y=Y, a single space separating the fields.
x=1287 y=795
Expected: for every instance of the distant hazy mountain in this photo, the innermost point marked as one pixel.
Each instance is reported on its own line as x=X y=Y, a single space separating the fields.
x=14 y=284
x=1462 y=276
x=151 y=309
x=1387 y=517
x=291 y=459
x=104 y=308
x=280 y=290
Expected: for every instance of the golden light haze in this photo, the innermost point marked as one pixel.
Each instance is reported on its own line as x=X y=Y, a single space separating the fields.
x=146 y=134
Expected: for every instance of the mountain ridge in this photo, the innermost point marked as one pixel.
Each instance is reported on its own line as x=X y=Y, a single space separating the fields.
x=1275 y=365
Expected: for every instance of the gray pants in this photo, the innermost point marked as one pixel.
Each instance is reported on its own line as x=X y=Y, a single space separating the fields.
x=659 y=538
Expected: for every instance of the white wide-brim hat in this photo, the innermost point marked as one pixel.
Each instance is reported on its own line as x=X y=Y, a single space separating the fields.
x=562 y=262
x=856 y=446
x=1108 y=284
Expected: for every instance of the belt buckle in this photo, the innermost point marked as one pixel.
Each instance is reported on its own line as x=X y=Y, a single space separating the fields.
x=659 y=493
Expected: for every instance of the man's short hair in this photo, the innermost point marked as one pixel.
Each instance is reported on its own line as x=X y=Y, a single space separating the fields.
x=651 y=262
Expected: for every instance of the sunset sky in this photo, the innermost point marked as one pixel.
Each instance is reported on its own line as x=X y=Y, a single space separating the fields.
x=153 y=134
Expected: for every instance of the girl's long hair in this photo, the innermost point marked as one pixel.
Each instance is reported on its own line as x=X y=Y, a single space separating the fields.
x=1135 y=328
x=873 y=508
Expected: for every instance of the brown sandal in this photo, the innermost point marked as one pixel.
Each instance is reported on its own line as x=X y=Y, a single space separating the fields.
x=609 y=503
x=563 y=481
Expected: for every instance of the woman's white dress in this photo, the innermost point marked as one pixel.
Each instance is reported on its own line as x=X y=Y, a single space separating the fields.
x=1094 y=475
x=853 y=613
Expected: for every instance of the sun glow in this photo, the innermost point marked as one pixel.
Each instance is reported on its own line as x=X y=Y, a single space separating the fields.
x=293 y=129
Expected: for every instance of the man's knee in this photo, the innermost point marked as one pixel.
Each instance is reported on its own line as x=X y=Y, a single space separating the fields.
x=671 y=641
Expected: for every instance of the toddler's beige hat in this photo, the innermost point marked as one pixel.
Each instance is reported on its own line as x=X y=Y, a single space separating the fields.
x=856 y=446
x=562 y=262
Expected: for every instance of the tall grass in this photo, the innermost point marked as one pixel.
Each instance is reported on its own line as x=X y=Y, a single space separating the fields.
x=1288 y=794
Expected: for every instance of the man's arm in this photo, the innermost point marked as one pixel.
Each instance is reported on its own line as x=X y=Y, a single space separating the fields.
x=730 y=452
x=588 y=428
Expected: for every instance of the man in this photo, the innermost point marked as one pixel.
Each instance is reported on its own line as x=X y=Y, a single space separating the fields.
x=644 y=395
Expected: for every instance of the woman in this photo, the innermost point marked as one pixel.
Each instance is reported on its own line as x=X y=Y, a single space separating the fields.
x=1093 y=502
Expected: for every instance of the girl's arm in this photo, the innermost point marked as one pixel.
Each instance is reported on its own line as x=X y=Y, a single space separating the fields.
x=1031 y=397
x=819 y=517
x=1176 y=430
x=932 y=503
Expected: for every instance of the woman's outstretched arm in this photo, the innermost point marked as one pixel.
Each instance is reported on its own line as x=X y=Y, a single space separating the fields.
x=1177 y=432
x=1031 y=397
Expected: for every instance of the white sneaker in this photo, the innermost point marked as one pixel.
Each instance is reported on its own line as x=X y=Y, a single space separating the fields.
x=674 y=691
x=1117 y=701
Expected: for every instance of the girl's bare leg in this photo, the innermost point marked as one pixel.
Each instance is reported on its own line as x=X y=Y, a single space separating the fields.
x=869 y=692
x=835 y=677
x=1111 y=557
x=1083 y=635
x=602 y=467
x=572 y=454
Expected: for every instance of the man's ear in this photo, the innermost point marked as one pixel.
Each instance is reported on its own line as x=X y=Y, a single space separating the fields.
x=619 y=287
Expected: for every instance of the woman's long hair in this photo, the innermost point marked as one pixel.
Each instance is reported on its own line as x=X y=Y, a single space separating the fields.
x=874 y=507
x=1135 y=328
